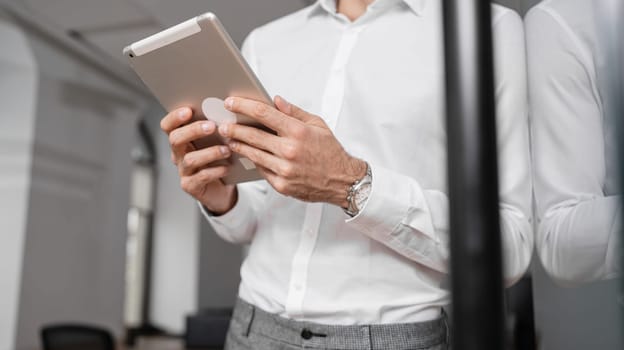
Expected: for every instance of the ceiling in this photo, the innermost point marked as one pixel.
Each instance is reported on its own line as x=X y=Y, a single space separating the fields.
x=105 y=27
x=108 y=26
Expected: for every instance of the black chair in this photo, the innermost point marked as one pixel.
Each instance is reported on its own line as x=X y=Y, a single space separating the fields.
x=207 y=329
x=76 y=337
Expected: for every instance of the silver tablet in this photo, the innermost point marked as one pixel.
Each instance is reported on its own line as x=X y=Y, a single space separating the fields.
x=196 y=64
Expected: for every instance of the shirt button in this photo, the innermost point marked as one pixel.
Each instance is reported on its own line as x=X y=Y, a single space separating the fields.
x=306 y=334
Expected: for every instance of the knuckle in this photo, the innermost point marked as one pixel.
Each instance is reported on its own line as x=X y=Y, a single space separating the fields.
x=211 y=174
x=205 y=174
x=280 y=186
x=290 y=151
x=217 y=153
x=186 y=184
x=299 y=131
x=235 y=132
x=252 y=137
x=287 y=170
x=188 y=161
x=260 y=110
x=221 y=172
x=174 y=140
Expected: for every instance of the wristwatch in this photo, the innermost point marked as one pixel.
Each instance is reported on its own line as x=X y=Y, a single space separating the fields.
x=358 y=193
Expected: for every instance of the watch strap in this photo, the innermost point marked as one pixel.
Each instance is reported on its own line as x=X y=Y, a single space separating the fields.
x=359 y=185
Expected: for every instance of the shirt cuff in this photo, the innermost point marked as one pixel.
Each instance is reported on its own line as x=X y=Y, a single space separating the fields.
x=393 y=198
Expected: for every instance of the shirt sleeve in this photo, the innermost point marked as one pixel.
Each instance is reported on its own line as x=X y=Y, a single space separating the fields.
x=413 y=220
x=578 y=224
x=239 y=224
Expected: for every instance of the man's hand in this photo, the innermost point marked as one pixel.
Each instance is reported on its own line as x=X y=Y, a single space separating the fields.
x=304 y=160
x=198 y=176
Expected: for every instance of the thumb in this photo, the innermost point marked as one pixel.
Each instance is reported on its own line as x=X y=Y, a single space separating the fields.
x=292 y=110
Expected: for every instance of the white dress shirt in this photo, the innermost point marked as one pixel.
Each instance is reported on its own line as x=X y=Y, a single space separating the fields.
x=378 y=83
x=578 y=206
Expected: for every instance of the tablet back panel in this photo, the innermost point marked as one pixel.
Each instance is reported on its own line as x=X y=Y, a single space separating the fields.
x=195 y=60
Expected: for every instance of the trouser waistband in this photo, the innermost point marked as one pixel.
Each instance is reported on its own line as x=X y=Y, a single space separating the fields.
x=421 y=335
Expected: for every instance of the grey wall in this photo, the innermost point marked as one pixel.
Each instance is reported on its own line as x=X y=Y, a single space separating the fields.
x=18 y=95
x=522 y=6
x=584 y=317
x=75 y=221
x=175 y=260
x=219 y=269
x=238 y=16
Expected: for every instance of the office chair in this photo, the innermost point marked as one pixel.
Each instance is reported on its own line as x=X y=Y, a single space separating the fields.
x=76 y=337
x=207 y=329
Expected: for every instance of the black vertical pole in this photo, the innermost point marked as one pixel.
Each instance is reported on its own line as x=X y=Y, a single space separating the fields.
x=476 y=259
x=146 y=305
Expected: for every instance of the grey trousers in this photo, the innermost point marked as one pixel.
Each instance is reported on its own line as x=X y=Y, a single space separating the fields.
x=254 y=329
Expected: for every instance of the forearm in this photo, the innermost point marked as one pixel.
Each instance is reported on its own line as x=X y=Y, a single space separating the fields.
x=410 y=220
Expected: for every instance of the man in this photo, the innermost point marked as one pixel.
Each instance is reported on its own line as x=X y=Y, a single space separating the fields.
x=349 y=232
x=578 y=201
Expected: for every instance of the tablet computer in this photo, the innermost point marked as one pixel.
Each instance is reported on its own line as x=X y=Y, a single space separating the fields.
x=196 y=64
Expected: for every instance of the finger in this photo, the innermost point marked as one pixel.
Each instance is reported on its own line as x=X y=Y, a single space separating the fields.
x=279 y=183
x=266 y=173
x=292 y=110
x=175 y=119
x=261 y=112
x=193 y=161
x=252 y=136
x=196 y=184
x=180 y=138
x=177 y=158
x=261 y=158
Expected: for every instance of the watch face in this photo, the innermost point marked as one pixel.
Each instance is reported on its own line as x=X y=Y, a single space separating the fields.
x=362 y=195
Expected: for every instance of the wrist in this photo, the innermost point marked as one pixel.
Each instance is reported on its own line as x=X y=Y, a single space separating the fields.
x=358 y=193
x=221 y=203
x=355 y=171
x=350 y=171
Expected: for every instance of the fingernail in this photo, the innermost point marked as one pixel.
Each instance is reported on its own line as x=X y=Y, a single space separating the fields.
x=233 y=145
x=182 y=113
x=229 y=102
x=225 y=151
x=224 y=129
x=207 y=127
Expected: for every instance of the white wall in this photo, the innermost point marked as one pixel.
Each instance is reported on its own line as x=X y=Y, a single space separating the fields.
x=18 y=94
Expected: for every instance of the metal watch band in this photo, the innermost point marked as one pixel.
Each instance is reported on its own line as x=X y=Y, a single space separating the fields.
x=352 y=208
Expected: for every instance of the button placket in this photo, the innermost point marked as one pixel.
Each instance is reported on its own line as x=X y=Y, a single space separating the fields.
x=301 y=260
x=334 y=89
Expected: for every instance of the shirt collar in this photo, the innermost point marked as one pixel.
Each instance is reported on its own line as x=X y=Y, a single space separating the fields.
x=330 y=5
